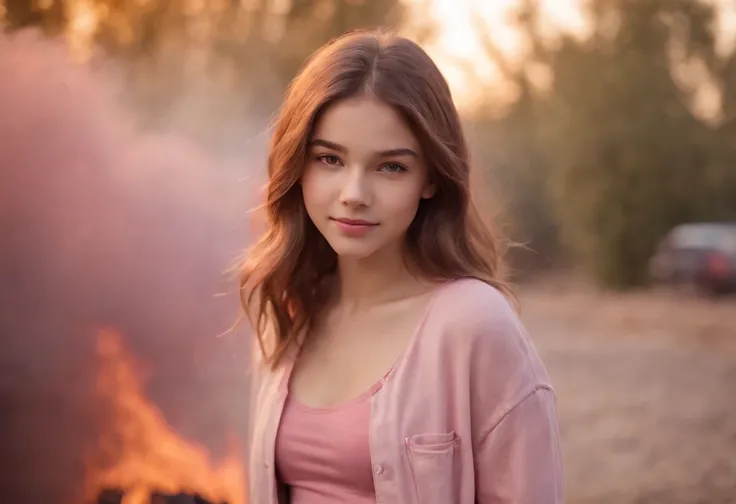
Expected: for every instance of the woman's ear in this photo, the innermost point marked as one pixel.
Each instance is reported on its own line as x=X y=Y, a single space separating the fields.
x=429 y=191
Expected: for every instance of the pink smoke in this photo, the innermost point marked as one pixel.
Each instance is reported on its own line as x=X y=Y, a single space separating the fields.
x=100 y=225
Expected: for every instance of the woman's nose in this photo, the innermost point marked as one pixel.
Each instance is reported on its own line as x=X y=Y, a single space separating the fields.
x=355 y=189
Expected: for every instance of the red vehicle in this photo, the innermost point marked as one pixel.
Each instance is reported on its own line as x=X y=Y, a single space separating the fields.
x=698 y=254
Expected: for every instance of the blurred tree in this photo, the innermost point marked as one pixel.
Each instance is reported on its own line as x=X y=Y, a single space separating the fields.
x=509 y=146
x=309 y=24
x=49 y=15
x=610 y=153
x=728 y=86
x=626 y=151
x=202 y=62
x=253 y=45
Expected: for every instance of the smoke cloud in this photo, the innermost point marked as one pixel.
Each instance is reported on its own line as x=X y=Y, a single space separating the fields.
x=102 y=226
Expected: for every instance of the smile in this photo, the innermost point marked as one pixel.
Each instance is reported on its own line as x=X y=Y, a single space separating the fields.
x=354 y=227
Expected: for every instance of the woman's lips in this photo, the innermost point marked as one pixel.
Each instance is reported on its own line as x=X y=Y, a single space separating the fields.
x=354 y=227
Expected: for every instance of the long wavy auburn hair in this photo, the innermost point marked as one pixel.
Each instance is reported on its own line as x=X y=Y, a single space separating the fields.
x=284 y=279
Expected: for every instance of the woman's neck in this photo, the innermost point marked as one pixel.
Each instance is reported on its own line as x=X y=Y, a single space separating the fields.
x=372 y=281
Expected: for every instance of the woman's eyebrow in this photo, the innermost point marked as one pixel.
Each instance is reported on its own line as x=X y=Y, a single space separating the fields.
x=318 y=142
x=402 y=151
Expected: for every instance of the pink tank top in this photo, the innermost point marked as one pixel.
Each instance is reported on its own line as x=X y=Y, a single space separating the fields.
x=323 y=454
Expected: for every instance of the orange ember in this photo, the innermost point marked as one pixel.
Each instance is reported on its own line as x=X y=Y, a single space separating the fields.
x=140 y=453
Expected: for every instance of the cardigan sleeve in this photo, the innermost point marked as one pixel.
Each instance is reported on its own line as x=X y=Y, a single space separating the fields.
x=519 y=460
x=515 y=433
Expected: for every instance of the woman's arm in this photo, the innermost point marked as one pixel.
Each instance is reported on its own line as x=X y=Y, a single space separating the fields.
x=518 y=461
x=516 y=445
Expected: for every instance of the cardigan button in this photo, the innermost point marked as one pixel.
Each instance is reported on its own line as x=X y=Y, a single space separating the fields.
x=378 y=469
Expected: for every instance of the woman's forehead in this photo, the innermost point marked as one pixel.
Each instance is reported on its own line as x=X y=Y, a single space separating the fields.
x=365 y=124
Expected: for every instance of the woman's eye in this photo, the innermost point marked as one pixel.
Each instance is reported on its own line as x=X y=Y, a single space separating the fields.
x=393 y=168
x=328 y=159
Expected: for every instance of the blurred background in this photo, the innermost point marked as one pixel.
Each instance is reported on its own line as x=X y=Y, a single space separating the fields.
x=132 y=147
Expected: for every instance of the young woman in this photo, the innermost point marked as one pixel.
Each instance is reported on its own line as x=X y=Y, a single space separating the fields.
x=391 y=366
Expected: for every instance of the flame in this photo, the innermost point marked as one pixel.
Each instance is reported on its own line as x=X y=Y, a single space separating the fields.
x=142 y=453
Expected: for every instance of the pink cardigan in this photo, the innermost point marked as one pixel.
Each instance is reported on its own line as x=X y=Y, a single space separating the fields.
x=467 y=415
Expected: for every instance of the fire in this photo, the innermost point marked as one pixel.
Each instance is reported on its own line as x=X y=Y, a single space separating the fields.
x=140 y=453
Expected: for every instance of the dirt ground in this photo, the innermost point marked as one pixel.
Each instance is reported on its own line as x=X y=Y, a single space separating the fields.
x=646 y=386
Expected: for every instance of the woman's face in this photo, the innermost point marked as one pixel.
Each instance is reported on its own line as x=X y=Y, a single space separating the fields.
x=364 y=178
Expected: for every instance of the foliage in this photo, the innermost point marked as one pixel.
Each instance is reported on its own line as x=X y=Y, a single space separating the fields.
x=207 y=62
x=614 y=140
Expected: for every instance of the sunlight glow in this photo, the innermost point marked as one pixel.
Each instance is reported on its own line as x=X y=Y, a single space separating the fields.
x=472 y=75
x=459 y=50
x=80 y=32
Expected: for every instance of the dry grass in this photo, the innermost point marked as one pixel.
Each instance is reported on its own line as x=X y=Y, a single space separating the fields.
x=645 y=385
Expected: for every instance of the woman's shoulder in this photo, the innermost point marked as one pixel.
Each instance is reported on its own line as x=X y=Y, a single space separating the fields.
x=477 y=325
x=473 y=303
x=475 y=320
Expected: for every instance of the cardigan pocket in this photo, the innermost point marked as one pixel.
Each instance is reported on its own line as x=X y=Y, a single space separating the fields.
x=433 y=464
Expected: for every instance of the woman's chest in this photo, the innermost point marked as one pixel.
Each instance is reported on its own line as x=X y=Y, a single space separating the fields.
x=326 y=452
x=336 y=368
x=419 y=432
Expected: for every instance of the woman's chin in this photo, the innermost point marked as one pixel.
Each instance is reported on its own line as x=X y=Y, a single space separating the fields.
x=353 y=253
x=352 y=249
